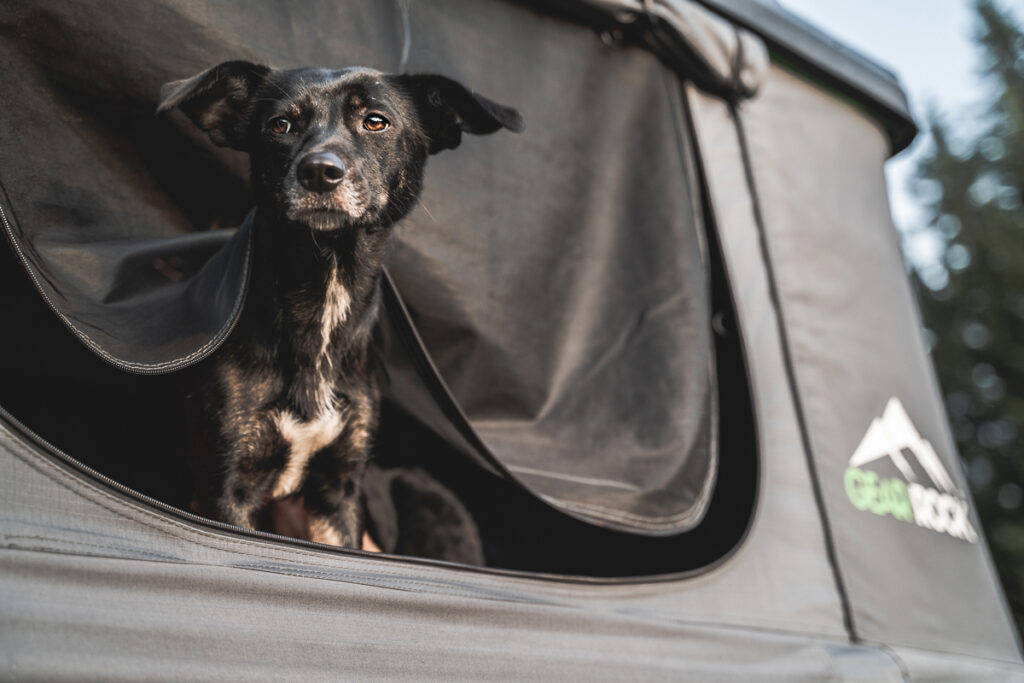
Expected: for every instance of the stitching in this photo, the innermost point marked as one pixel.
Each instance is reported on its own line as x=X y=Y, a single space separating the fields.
x=98 y=350
x=60 y=546
x=648 y=618
x=1002 y=664
x=11 y=541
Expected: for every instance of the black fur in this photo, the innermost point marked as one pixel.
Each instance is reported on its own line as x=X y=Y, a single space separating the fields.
x=317 y=242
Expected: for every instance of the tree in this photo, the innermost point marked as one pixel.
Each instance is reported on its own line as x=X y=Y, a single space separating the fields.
x=973 y=301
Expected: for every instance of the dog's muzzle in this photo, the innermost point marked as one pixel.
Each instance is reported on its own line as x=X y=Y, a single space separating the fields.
x=321 y=171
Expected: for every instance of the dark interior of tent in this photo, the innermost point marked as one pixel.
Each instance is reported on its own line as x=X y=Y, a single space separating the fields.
x=128 y=426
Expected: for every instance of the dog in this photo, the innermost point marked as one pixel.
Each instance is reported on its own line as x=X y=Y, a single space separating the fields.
x=337 y=158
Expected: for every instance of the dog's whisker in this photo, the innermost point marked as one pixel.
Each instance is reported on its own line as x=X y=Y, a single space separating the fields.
x=428 y=212
x=279 y=88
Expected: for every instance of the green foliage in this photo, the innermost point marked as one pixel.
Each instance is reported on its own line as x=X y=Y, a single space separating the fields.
x=973 y=303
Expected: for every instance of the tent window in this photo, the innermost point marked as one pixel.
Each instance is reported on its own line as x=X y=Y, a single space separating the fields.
x=548 y=335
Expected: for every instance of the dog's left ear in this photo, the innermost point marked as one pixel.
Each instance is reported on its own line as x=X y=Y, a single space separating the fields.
x=447 y=109
x=218 y=100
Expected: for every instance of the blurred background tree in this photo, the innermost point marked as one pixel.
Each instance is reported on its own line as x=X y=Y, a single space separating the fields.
x=973 y=299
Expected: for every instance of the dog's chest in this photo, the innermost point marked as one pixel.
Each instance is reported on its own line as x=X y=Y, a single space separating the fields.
x=314 y=386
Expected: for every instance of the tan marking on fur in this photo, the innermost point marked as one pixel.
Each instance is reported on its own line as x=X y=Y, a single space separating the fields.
x=369 y=545
x=360 y=439
x=321 y=531
x=353 y=198
x=362 y=426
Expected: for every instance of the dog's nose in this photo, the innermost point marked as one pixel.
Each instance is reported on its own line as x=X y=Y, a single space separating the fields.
x=321 y=171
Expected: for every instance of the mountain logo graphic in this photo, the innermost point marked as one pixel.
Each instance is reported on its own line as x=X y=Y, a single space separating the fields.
x=941 y=506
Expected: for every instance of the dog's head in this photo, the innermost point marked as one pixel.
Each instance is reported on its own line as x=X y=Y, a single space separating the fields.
x=333 y=149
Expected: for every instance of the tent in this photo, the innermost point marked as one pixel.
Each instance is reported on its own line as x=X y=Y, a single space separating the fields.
x=662 y=345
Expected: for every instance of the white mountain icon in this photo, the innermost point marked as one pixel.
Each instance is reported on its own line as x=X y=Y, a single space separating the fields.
x=891 y=434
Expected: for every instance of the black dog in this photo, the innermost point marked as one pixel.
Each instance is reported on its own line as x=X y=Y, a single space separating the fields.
x=337 y=158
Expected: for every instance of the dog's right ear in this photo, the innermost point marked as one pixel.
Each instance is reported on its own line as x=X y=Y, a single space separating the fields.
x=447 y=109
x=218 y=100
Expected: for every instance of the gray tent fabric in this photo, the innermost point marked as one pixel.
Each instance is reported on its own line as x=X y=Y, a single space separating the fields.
x=854 y=370
x=717 y=54
x=827 y=61
x=541 y=314
x=736 y=56
x=574 y=356
x=942 y=596
x=99 y=582
x=96 y=585
x=168 y=303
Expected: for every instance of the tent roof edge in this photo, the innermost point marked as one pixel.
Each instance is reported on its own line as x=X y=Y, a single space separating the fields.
x=828 y=60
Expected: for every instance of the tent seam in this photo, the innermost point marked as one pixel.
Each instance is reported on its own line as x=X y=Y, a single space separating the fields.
x=801 y=418
x=436 y=588
x=325 y=572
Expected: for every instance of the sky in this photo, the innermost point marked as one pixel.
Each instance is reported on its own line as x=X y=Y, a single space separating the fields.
x=928 y=44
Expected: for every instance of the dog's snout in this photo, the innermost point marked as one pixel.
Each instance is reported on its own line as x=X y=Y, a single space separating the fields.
x=321 y=171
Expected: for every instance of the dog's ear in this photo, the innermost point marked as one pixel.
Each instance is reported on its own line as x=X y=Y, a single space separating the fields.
x=217 y=100
x=446 y=109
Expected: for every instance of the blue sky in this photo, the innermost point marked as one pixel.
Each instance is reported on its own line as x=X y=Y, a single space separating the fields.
x=928 y=43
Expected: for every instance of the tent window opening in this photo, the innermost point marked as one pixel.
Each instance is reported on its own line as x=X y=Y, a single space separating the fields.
x=126 y=426
x=565 y=379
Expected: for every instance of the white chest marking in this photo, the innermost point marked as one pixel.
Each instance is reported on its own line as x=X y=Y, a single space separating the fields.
x=306 y=438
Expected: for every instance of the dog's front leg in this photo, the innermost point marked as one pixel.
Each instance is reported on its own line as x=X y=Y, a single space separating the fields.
x=333 y=491
x=253 y=454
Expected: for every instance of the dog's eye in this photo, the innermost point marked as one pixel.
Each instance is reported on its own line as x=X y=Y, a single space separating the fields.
x=280 y=125
x=375 y=123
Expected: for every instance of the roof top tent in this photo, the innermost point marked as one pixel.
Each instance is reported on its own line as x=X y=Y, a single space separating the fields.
x=661 y=346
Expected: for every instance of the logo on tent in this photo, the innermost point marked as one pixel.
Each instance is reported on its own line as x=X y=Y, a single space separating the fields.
x=941 y=507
